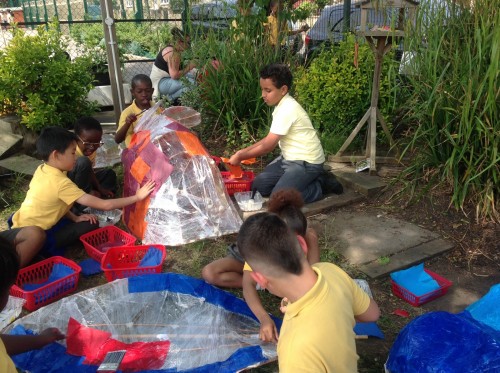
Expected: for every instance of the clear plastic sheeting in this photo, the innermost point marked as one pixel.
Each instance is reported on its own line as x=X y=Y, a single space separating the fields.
x=109 y=153
x=11 y=311
x=190 y=202
x=206 y=327
x=184 y=115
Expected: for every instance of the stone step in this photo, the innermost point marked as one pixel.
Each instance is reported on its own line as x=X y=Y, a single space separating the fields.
x=19 y=163
x=361 y=182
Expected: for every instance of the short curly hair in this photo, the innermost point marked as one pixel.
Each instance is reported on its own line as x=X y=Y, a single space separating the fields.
x=9 y=265
x=279 y=74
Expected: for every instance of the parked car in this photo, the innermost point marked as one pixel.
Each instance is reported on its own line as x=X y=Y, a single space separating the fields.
x=328 y=29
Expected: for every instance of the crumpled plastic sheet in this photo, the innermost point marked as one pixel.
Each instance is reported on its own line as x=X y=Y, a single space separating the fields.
x=450 y=343
x=192 y=203
x=205 y=325
x=109 y=153
x=11 y=310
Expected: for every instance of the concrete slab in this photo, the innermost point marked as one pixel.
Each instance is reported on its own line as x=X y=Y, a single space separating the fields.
x=103 y=96
x=20 y=163
x=364 y=238
x=359 y=181
x=9 y=143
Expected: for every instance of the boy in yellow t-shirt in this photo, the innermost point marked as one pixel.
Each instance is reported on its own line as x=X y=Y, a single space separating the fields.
x=142 y=90
x=16 y=344
x=300 y=165
x=324 y=302
x=51 y=195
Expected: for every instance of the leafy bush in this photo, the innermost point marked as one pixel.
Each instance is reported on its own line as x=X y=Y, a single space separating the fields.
x=336 y=94
x=40 y=83
x=454 y=103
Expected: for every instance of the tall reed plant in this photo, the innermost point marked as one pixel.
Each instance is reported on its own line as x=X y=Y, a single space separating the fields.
x=229 y=97
x=455 y=102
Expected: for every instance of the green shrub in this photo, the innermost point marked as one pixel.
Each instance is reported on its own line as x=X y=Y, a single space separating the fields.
x=454 y=103
x=336 y=94
x=40 y=83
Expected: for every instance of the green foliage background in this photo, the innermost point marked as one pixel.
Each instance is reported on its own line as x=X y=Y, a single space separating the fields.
x=39 y=82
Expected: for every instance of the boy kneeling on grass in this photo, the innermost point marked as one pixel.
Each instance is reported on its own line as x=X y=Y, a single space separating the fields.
x=51 y=195
x=16 y=344
x=324 y=302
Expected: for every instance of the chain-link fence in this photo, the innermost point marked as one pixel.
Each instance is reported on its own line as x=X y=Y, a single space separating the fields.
x=143 y=26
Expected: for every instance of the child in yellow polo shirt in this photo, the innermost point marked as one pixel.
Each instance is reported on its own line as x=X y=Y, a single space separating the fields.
x=16 y=344
x=300 y=165
x=51 y=195
x=142 y=90
x=100 y=183
x=324 y=302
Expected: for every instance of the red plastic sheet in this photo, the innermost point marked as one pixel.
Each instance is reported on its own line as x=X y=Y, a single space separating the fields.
x=94 y=344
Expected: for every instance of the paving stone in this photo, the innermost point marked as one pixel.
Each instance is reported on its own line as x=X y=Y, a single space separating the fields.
x=21 y=163
x=9 y=144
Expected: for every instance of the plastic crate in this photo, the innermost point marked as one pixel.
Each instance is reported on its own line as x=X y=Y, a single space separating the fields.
x=39 y=273
x=243 y=184
x=99 y=241
x=123 y=261
x=416 y=300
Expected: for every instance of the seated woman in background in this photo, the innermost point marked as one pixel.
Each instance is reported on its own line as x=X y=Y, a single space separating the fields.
x=167 y=69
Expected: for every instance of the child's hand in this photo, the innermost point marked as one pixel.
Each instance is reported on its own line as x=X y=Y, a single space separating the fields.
x=86 y=217
x=50 y=335
x=304 y=28
x=130 y=119
x=145 y=190
x=268 y=331
x=235 y=159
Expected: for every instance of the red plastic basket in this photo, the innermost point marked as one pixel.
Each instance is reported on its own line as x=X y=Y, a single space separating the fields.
x=415 y=300
x=123 y=261
x=242 y=184
x=99 y=241
x=39 y=273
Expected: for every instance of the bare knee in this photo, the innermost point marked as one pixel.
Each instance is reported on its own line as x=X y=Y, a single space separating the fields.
x=209 y=274
x=28 y=243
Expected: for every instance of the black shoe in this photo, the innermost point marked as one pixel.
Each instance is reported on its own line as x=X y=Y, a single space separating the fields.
x=330 y=184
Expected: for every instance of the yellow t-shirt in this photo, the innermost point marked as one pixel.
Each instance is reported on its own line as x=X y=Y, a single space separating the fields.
x=90 y=157
x=6 y=363
x=131 y=109
x=299 y=140
x=317 y=332
x=50 y=196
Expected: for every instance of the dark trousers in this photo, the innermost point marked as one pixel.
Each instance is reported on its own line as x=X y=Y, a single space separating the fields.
x=282 y=174
x=64 y=234
x=82 y=171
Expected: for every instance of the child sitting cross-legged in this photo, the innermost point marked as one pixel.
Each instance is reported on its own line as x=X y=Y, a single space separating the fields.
x=16 y=344
x=51 y=195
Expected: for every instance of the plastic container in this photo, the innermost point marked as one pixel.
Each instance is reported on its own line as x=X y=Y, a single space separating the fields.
x=123 y=261
x=105 y=218
x=416 y=300
x=99 y=241
x=247 y=203
x=39 y=273
x=242 y=184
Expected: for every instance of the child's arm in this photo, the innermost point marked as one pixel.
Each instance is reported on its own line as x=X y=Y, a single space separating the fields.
x=371 y=314
x=121 y=133
x=17 y=344
x=84 y=217
x=110 y=204
x=261 y=147
x=268 y=331
x=312 y=246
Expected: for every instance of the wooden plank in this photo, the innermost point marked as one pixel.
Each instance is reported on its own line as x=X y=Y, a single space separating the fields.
x=21 y=163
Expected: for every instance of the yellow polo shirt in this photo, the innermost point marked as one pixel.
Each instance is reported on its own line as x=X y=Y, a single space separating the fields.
x=317 y=332
x=299 y=140
x=6 y=363
x=50 y=196
x=131 y=109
